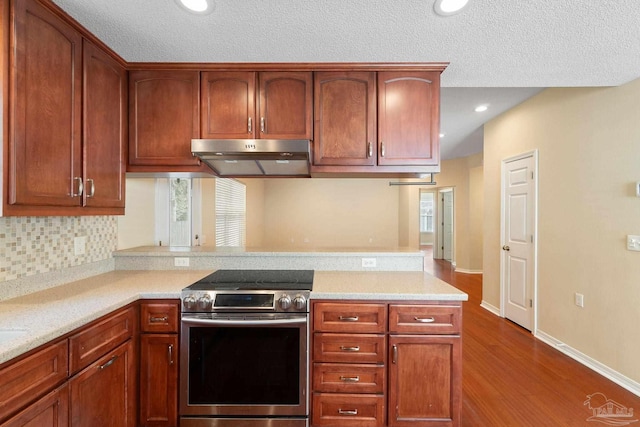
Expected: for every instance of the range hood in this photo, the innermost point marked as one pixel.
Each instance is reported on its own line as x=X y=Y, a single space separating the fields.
x=254 y=157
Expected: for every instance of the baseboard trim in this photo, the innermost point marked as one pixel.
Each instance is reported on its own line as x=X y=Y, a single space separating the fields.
x=602 y=369
x=464 y=270
x=490 y=308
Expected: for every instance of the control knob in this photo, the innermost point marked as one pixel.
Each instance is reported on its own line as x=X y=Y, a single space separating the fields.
x=284 y=302
x=189 y=302
x=300 y=302
x=204 y=302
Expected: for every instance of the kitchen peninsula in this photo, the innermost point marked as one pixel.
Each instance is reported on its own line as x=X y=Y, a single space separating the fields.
x=33 y=323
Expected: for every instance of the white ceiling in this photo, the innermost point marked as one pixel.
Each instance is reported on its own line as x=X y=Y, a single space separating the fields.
x=501 y=52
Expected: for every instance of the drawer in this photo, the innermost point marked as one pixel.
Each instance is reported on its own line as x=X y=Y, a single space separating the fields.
x=32 y=377
x=101 y=337
x=348 y=410
x=343 y=317
x=349 y=348
x=425 y=319
x=161 y=317
x=348 y=378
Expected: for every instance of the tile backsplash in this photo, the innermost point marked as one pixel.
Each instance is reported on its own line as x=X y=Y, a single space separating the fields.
x=35 y=245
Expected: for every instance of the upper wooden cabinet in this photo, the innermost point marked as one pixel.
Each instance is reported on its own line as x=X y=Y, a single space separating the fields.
x=345 y=118
x=408 y=118
x=164 y=115
x=250 y=105
x=104 y=129
x=376 y=122
x=67 y=127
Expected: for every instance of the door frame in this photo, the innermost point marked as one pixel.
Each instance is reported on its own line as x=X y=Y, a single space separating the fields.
x=534 y=232
x=438 y=239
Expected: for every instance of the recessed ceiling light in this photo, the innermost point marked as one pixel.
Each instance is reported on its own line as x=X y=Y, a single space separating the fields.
x=449 y=7
x=481 y=108
x=199 y=7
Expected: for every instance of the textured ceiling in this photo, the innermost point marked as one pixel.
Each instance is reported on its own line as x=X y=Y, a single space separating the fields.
x=492 y=44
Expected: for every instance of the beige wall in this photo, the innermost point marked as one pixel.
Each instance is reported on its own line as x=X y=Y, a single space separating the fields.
x=465 y=176
x=332 y=213
x=589 y=158
x=137 y=226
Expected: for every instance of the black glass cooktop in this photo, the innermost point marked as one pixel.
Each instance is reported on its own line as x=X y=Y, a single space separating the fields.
x=301 y=280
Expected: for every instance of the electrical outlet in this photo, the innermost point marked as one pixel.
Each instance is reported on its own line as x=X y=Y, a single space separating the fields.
x=181 y=262
x=368 y=262
x=633 y=243
x=79 y=245
x=579 y=300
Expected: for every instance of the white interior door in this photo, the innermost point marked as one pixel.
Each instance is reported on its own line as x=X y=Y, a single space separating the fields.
x=447 y=226
x=518 y=231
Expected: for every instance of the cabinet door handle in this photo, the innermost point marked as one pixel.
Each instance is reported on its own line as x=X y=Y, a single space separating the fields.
x=355 y=348
x=93 y=187
x=424 y=319
x=109 y=363
x=170 y=354
x=348 y=318
x=394 y=354
x=350 y=379
x=249 y=126
x=262 y=126
x=369 y=149
x=348 y=411
x=382 y=148
x=162 y=319
x=80 y=187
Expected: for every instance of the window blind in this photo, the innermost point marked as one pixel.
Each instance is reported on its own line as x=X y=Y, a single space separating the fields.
x=230 y=212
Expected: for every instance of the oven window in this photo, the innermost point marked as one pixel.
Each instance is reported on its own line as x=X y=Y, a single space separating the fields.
x=244 y=365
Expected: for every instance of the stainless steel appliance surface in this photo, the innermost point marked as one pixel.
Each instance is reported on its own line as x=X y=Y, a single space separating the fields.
x=244 y=349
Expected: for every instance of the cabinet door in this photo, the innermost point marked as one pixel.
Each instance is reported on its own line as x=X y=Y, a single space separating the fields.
x=408 y=118
x=104 y=394
x=286 y=104
x=45 y=162
x=50 y=411
x=345 y=118
x=159 y=380
x=164 y=116
x=424 y=380
x=228 y=104
x=104 y=128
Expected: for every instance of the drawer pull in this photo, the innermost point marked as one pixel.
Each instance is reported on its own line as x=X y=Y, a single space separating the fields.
x=348 y=411
x=109 y=363
x=424 y=319
x=350 y=379
x=158 y=319
x=356 y=348
x=349 y=318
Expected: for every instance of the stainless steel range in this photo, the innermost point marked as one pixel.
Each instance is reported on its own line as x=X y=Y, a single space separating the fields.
x=244 y=349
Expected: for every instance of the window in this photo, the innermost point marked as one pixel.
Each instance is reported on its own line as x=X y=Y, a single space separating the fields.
x=426 y=212
x=179 y=212
x=230 y=212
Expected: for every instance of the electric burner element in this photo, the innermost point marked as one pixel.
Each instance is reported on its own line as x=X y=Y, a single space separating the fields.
x=250 y=291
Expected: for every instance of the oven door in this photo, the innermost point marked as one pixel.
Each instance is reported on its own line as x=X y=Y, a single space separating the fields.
x=244 y=365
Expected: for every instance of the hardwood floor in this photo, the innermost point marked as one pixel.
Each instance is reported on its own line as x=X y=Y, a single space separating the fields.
x=512 y=379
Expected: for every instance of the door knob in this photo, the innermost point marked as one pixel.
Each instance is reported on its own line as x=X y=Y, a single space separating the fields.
x=506 y=248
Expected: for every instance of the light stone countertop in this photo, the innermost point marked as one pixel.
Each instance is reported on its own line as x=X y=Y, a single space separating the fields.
x=51 y=313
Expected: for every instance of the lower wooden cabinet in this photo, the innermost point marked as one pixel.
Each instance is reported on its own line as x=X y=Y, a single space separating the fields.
x=424 y=380
x=408 y=374
x=159 y=323
x=158 y=380
x=50 y=411
x=104 y=393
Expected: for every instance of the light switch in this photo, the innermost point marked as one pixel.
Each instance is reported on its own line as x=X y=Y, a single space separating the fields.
x=633 y=243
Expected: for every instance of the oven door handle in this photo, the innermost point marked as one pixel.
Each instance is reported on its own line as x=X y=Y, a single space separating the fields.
x=198 y=321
